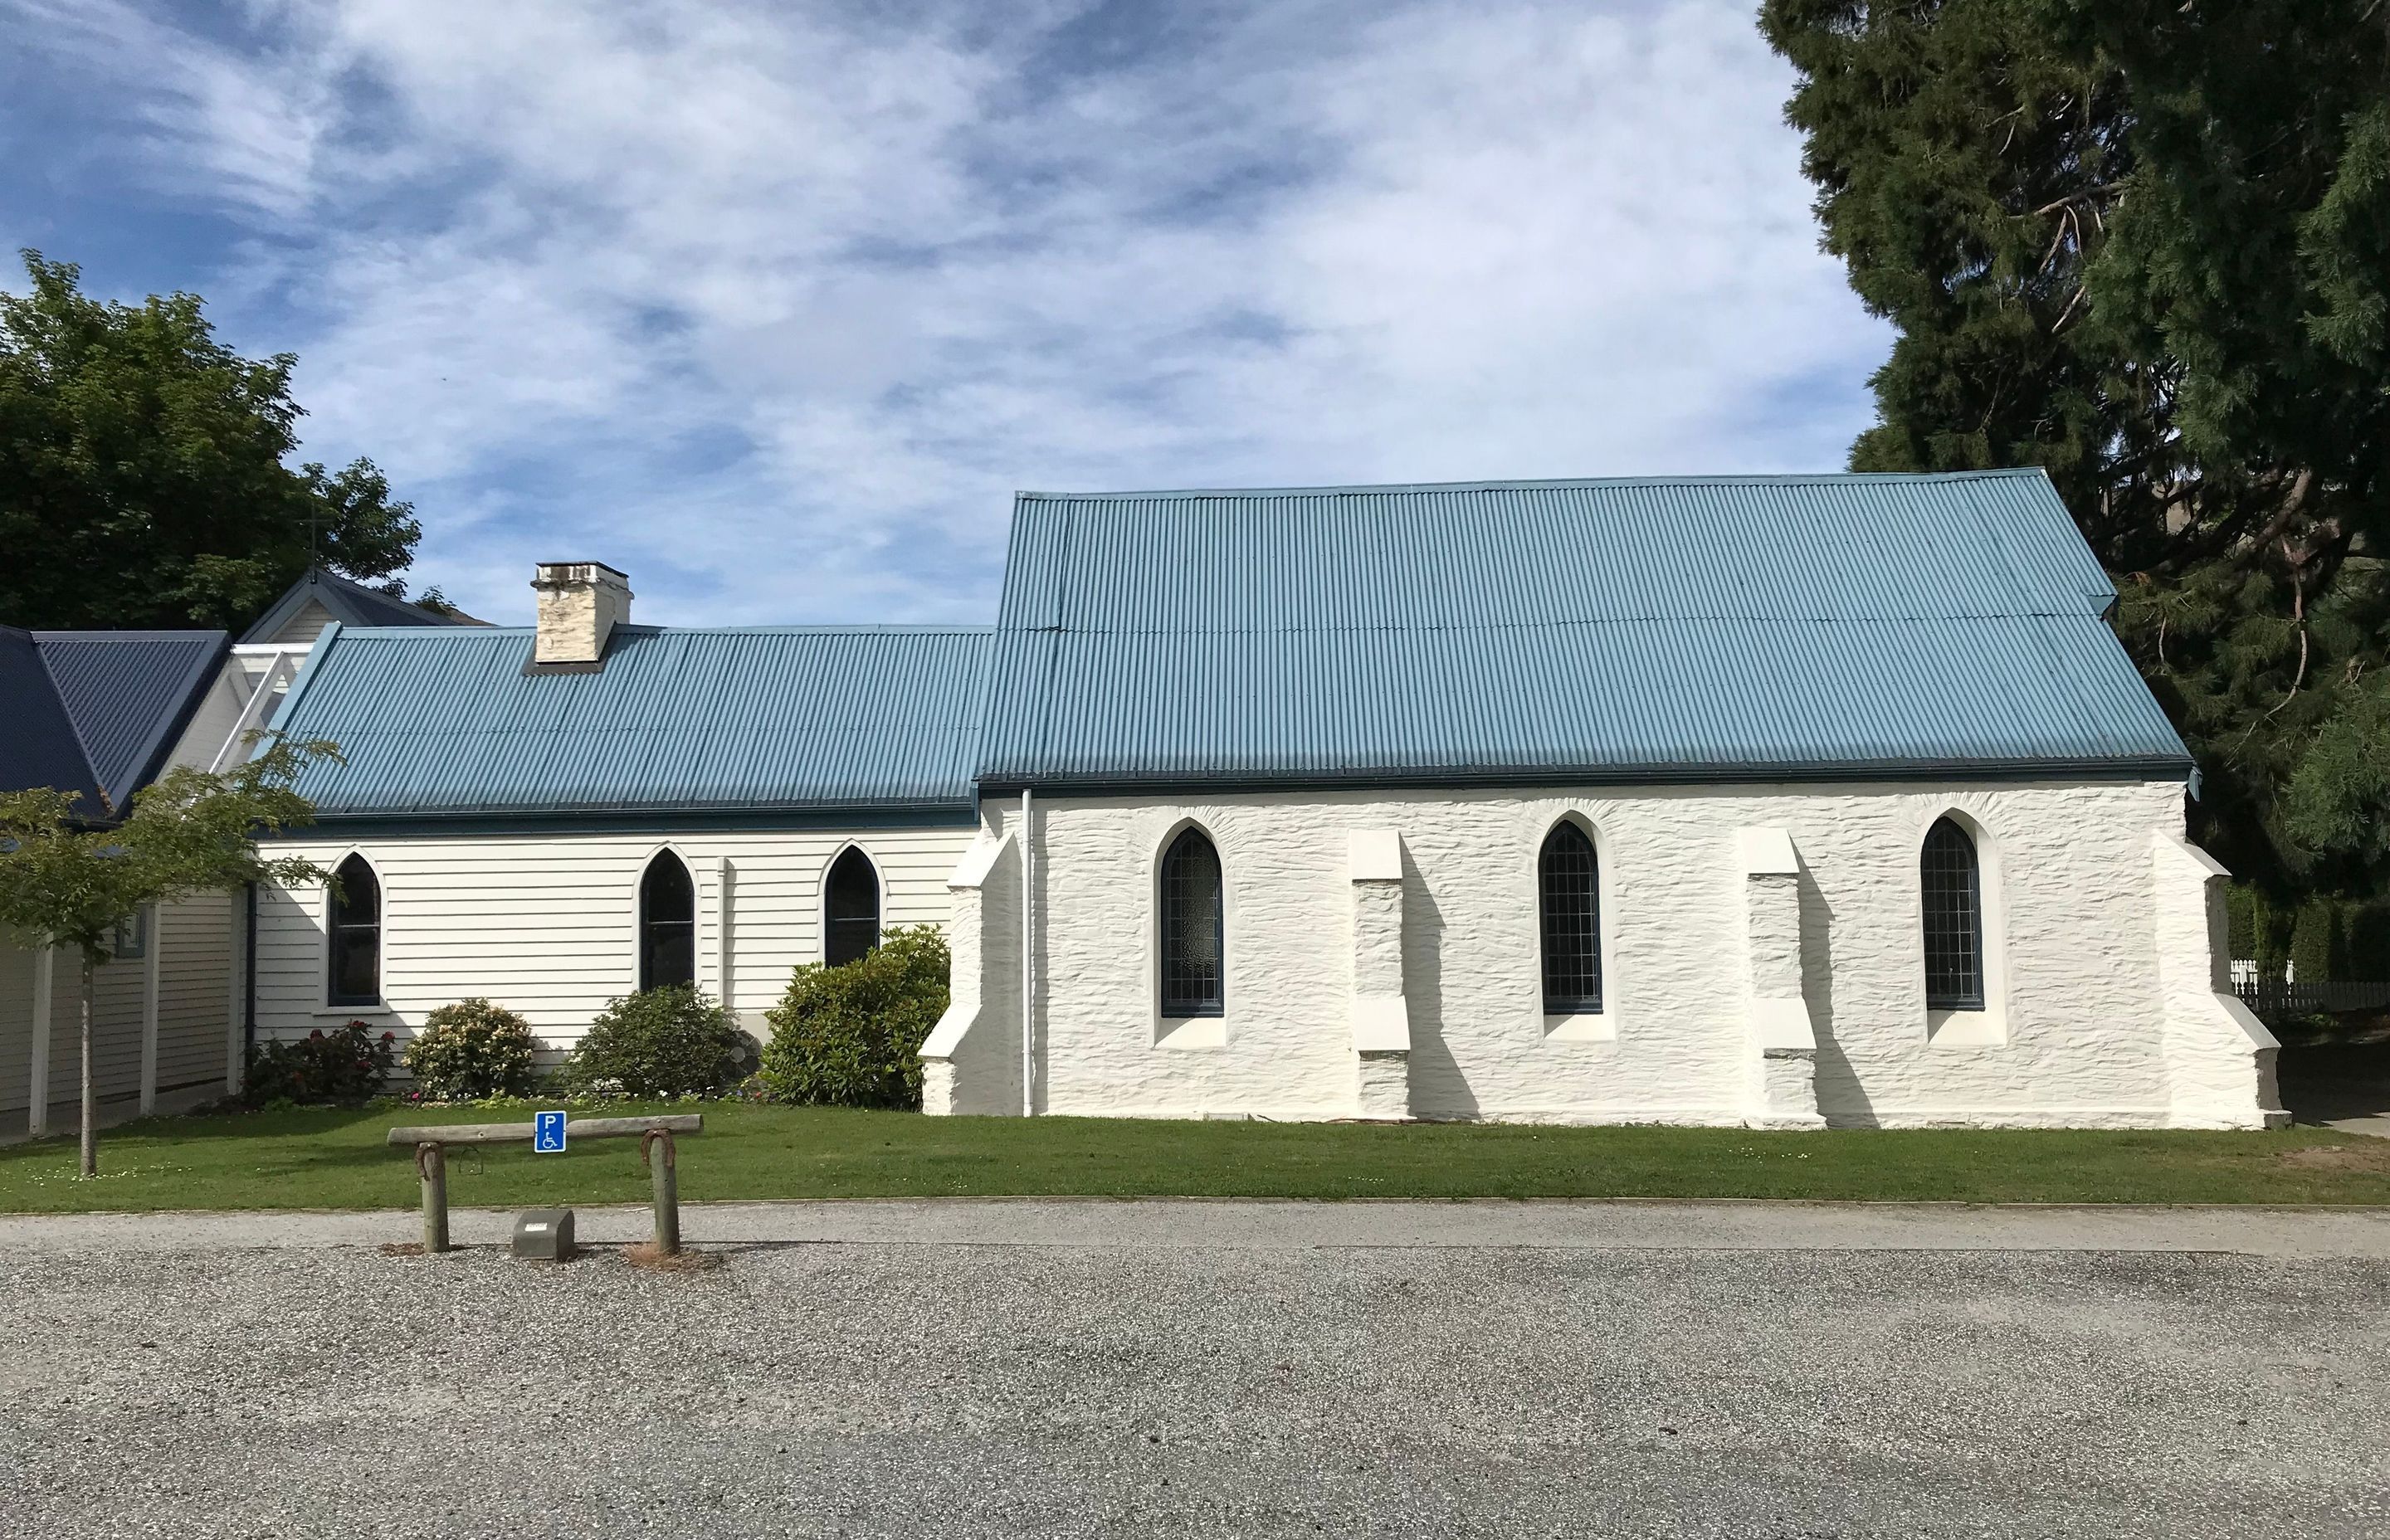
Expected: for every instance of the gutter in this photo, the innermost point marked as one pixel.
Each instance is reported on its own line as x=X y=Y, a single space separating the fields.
x=2150 y=767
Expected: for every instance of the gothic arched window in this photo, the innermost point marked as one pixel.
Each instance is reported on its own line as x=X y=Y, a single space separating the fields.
x=1568 y=890
x=667 y=923
x=850 y=908
x=1950 y=882
x=1193 y=956
x=355 y=951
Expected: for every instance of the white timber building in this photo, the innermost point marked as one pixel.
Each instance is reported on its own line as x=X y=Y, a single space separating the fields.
x=1781 y=802
x=101 y=714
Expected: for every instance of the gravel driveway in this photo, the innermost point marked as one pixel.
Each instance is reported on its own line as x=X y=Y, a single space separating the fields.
x=1247 y=1386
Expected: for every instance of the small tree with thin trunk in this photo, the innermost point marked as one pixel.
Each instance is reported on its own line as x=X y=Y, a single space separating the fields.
x=65 y=882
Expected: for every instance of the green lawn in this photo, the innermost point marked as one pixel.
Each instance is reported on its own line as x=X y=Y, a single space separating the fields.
x=337 y=1160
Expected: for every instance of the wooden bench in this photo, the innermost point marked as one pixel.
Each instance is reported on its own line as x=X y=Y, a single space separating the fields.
x=430 y=1144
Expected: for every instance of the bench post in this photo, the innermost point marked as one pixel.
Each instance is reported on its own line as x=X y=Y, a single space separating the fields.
x=431 y=1142
x=432 y=1164
x=667 y=1188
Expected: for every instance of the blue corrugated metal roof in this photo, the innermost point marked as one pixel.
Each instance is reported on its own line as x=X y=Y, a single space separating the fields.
x=1716 y=627
x=444 y=721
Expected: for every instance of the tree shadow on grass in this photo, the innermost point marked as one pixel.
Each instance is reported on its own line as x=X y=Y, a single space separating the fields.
x=2335 y=1083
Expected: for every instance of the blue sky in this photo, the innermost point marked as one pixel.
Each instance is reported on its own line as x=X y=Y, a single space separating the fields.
x=773 y=306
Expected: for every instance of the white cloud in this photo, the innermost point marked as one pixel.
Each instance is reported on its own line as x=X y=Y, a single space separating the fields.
x=773 y=306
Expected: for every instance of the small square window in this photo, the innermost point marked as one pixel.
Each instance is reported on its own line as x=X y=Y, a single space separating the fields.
x=132 y=938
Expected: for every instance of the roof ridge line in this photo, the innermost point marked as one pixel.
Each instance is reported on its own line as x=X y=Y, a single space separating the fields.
x=956 y=628
x=1799 y=477
x=1412 y=628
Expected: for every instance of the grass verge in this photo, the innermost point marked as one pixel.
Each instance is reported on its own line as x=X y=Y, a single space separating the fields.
x=325 y=1158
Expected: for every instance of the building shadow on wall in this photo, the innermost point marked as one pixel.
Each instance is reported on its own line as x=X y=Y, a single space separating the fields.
x=1438 y=1087
x=1841 y=1096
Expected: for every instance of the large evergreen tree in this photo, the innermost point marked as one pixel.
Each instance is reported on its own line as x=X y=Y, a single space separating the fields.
x=142 y=480
x=2146 y=245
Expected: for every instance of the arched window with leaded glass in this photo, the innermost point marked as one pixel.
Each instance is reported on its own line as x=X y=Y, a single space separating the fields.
x=1951 y=883
x=1194 y=952
x=1568 y=885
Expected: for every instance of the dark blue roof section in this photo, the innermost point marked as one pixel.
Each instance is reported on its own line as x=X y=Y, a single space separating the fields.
x=96 y=712
x=39 y=747
x=1727 y=628
x=129 y=694
x=349 y=603
x=447 y=723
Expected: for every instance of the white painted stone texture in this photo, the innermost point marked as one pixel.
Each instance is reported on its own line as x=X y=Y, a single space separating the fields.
x=971 y=1061
x=1715 y=965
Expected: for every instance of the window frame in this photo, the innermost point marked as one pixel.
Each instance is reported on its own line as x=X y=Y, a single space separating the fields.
x=1536 y=827
x=1173 y=1010
x=641 y=975
x=338 y=936
x=1964 y=1028
x=1564 y=1007
x=129 y=940
x=1937 y=923
x=878 y=900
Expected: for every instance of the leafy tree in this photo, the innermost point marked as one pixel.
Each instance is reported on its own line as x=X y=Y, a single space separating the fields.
x=142 y=480
x=67 y=883
x=2146 y=246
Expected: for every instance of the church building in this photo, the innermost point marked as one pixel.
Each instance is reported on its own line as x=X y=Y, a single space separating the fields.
x=1783 y=802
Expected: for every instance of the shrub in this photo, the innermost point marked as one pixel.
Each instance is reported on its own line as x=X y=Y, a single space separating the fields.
x=673 y=1041
x=2311 y=942
x=346 y=1064
x=850 y=1035
x=471 y=1050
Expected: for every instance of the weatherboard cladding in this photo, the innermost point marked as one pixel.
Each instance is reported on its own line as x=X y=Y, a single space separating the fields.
x=350 y=603
x=446 y=721
x=1677 y=629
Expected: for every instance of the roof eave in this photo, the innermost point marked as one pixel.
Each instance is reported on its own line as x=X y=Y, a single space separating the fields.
x=2149 y=767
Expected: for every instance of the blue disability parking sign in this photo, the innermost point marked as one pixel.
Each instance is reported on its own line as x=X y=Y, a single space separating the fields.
x=548 y=1133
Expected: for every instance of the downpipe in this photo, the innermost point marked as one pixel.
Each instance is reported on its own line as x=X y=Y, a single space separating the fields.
x=1028 y=961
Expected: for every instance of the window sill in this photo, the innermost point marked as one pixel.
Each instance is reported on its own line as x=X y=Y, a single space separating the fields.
x=1584 y=1027
x=1966 y=1029
x=1192 y=1032
x=346 y=1012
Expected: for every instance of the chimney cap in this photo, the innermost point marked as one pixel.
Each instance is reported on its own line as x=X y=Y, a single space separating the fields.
x=563 y=571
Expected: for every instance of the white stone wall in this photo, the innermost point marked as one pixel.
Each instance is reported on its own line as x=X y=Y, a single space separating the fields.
x=971 y=1061
x=546 y=924
x=2085 y=1030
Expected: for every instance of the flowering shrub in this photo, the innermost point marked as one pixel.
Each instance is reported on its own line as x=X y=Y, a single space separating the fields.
x=672 y=1041
x=348 y=1063
x=471 y=1050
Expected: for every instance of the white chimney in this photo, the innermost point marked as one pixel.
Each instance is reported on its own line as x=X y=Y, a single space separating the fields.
x=580 y=604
